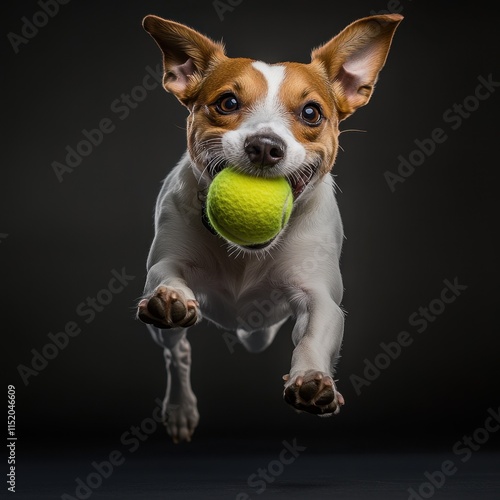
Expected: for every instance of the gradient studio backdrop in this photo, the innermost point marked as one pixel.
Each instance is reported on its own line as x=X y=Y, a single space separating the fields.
x=61 y=241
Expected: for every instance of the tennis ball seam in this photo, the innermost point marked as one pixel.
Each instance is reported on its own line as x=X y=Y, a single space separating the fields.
x=285 y=215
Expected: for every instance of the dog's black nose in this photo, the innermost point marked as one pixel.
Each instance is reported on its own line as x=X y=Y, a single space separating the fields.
x=265 y=150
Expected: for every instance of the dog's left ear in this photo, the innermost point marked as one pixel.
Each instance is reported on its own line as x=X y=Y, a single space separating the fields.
x=353 y=59
x=187 y=54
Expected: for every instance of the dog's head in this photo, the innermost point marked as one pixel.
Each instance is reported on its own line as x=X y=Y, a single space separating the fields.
x=271 y=119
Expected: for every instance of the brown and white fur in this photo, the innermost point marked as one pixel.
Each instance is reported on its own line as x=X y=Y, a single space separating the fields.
x=269 y=120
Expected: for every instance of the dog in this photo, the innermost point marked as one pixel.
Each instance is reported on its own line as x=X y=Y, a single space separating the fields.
x=271 y=120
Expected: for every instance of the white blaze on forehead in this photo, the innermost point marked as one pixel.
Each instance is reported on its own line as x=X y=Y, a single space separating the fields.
x=274 y=76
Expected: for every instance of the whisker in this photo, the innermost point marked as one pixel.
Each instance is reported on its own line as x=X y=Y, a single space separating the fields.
x=352 y=130
x=335 y=185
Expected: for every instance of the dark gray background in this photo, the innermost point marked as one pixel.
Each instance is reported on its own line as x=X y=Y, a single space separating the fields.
x=65 y=238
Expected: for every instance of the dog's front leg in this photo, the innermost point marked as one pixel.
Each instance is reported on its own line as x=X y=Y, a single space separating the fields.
x=168 y=302
x=317 y=336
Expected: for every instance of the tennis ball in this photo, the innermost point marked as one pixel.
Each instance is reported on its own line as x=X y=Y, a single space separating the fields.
x=248 y=210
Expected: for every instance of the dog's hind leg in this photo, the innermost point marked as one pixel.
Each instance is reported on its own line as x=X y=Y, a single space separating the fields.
x=180 y=412
x=259 y=340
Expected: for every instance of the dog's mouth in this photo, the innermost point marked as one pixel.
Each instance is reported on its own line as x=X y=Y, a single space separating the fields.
x=298 y=180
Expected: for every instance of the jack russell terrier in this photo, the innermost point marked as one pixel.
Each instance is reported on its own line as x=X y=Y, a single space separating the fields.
x=273 y=120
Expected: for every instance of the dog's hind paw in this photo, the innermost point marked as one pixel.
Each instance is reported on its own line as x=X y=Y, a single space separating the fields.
x=313 y=392
x=181 y=421
x=168 y=308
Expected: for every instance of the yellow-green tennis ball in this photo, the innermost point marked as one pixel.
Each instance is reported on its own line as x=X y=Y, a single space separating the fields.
x=248 y=210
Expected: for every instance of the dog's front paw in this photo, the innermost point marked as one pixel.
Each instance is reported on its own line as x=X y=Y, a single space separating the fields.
x=313 y=391
x=168 y=308
x=181 y=420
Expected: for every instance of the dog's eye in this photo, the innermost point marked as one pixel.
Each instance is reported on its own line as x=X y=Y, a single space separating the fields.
x=227 y=104
x=311 y=114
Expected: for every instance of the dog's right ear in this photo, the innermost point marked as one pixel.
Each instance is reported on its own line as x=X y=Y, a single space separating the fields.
x=187 y=54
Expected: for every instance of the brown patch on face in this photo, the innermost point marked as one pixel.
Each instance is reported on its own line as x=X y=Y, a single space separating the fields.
x=305 y=84
x=206 y=124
